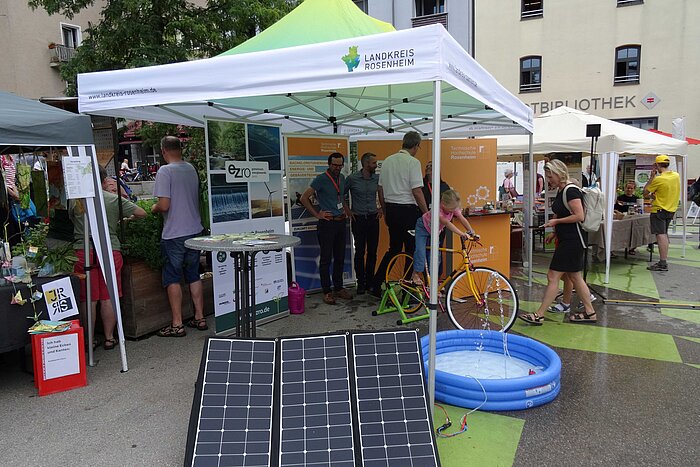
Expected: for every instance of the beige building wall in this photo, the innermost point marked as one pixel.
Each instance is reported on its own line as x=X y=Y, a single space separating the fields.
x=25 y=58
x=577 y=41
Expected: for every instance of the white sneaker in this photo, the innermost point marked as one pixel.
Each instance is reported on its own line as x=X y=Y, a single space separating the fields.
x=593 y=298
x=559 y=308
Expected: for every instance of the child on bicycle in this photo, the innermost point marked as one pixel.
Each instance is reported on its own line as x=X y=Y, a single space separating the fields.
x=449 y=209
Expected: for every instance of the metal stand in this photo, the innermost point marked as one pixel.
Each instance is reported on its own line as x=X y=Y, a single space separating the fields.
x=244 y=292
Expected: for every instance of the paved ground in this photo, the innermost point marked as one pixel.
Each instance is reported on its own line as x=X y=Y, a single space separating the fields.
x=628 y=395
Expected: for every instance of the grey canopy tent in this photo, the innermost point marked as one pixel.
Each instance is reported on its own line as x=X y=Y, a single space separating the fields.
x=27 y=125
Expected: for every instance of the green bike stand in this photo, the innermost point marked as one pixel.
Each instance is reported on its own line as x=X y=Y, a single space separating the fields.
x=390 y=303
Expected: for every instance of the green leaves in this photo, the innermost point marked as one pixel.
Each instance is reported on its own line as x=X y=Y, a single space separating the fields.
x=136 y=33
x=143 y=236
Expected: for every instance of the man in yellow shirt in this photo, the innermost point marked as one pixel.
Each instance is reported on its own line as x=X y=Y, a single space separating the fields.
x=664 y=188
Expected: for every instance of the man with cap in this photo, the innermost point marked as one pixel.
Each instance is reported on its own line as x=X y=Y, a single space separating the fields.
x=664 y=188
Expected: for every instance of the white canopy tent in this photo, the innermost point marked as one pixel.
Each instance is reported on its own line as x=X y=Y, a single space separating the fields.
x=417 y=79
x=564 y=130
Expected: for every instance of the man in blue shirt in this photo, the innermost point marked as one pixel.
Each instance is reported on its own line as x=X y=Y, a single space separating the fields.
x=362 y=186
x=329 y=188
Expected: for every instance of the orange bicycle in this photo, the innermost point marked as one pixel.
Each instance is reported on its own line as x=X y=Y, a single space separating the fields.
x=476 y=298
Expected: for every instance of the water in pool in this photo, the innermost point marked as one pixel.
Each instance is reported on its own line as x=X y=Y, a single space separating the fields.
x=483 y=365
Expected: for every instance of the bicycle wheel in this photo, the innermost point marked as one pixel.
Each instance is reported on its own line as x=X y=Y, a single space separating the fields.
x=495 y=307
x=400 y=269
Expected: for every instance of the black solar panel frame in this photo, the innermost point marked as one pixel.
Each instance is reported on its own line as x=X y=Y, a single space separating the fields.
x=276 y=393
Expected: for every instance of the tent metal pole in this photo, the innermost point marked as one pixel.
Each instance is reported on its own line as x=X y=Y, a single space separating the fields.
x=434 y=241
x=684 y=198
x=529 y=210
x=88 y=293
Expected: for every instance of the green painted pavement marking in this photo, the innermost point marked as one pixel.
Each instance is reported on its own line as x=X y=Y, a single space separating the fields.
x=491 y=439
x=691 y=339
x=687 y=315
x=694 y=365
x=600 y=339
x=628 y=277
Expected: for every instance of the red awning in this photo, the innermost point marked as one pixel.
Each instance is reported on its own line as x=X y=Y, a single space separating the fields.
x=689 y=140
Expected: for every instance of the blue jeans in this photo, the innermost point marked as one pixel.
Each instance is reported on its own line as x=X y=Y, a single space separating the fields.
x=422 y=241
x=179 y=260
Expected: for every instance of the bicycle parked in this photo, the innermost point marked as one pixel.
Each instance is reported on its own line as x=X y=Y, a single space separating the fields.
x=477 y=297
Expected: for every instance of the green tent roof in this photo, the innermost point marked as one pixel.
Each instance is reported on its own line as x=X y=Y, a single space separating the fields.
x=312 y=22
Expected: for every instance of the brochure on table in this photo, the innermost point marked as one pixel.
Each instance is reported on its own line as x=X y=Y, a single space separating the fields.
x=245 y=168
x=307 y=157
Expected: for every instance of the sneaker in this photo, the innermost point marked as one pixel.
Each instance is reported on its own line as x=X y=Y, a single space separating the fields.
x=560 y=308
x=593 y=298
x=658 y=267
x=344 y=294
x=328 y=298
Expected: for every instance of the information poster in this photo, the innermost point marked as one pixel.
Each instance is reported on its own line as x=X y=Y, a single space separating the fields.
x=306 y=158
x=77 y=176
x=60 y=356
x=245 y=167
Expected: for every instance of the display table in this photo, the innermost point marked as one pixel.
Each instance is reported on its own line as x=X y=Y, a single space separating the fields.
x=13 y=318
x=630 y=232
x=243 y=254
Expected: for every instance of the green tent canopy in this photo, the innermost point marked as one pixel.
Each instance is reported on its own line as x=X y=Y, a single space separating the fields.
x=313 y=22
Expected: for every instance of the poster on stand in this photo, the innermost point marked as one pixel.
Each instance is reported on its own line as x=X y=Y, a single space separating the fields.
x=307 y=157
x=245 y=168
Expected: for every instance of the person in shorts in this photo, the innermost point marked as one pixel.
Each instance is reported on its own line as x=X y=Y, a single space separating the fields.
x=664 y=188
x=98 y=288
x=177 y=190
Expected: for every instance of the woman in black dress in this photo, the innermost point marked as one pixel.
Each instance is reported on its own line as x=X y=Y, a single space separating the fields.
x=570 y=245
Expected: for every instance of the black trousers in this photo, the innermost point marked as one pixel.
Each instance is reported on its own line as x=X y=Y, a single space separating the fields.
x=400 y=218
x=331 y=239
x=365 y=231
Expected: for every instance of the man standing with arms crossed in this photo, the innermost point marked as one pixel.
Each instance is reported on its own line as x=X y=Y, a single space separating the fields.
x=177 y=189
x=664 y=187
x=402 y=201
x=332 y=216
x=362 y=186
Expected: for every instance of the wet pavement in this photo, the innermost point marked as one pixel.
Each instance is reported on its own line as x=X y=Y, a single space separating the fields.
x=628 y=397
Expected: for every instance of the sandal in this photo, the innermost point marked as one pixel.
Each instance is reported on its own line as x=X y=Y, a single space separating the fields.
x=199 y=324
x=583 y=317
x=109 y=344
x=532 y=318
x=172 y=331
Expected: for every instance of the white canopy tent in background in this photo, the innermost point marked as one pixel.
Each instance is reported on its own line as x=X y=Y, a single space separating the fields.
x=564 y=130
x=417 y=79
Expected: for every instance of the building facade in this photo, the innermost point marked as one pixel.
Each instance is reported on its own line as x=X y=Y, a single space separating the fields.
x=456 y=15
x=634 y=61
x=35 y=45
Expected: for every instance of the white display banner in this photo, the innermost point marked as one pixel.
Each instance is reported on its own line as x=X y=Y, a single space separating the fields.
x=60 y=356
x=77 y=177
x=59 y=298
x=247 y=172
x=245 y=168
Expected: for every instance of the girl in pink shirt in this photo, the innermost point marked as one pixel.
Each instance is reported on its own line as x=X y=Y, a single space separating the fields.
x=449 y=209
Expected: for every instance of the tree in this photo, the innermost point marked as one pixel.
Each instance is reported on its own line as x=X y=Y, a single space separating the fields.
x=135 y=33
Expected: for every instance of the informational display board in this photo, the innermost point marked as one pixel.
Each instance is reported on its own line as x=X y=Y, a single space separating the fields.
x=77 y=176
x=307 y=157
x=469 y=167
x=60 y=299
x=245 y=167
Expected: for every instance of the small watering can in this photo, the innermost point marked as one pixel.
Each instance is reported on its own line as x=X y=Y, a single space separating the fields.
x=296 y=299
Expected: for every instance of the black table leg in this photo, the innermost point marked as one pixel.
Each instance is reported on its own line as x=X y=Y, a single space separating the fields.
x=253 y=312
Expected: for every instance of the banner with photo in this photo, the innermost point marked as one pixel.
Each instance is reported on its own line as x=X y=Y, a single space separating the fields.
x=245 y=168
x=307 y=157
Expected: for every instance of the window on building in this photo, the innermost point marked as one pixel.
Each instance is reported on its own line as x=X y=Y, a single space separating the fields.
x=531 y=74
x=70 y=35
x=629 y=2
x=627 y=64
x=429 y=7
x=648 y=123
x=361 y=4
x=532 y=9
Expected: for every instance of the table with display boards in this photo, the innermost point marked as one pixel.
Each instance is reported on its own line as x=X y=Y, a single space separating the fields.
x=243 y=253
x=15 y=320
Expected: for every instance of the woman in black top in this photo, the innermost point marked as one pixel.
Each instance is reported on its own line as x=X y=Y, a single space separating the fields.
x=570 y=240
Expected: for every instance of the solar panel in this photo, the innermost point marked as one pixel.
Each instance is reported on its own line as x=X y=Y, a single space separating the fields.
x=235 y=411
x=394 y=420
x=316 y=416
x=330 y=400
